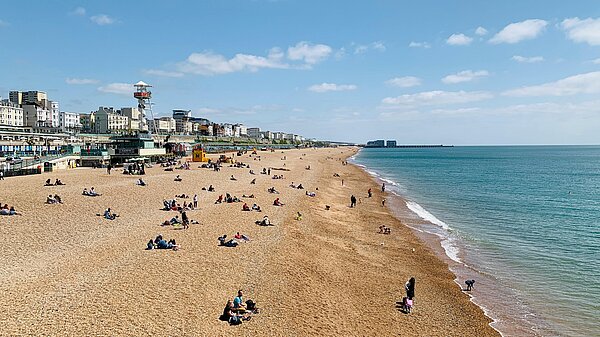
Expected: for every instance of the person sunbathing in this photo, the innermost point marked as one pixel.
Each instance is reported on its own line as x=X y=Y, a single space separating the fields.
x=246 y=208
x=232 y=177
x=50 y=200
x=178 y=178
x=91 y=193
x=298 y=216
x=255 y=207
x=58 y=182
x=48 y=183
x=264 y=222
x=253 y=182
x=182 y=196
x=58 y=198
x=219 y=200
x=140 y=182
x=175 y=220
x=276 y=202
x=311 y=194
x=211 y=188
x=243 y=237
x=231 y=243
x=273 y=190
x=292 y=185
x=231 y=316
x=300 y=187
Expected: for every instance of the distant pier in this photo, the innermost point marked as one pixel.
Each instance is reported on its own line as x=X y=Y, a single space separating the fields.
x=380 y=143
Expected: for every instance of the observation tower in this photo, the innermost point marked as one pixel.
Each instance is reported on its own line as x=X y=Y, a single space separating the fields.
x=143 y=96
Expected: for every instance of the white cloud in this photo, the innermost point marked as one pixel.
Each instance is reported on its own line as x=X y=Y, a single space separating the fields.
x=459 y=40
x=523 y=59
x=208 y=63
x=340 y=53
x=596 y=61
x=520 y=31
x=414 y=44
x=309 y=53
x=437 y=98
x=378 y=46
x=325 y=87
x=481 y=31
x=588 y=83
x=587 y=30
x=102 y=19
x=77 y=81
x=162 y=73
x=464 y=76
x=117 y=88
x=361 y=49
x=404 y=82
x=79 y=11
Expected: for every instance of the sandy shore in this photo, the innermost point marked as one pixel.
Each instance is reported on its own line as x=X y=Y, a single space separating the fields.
x=66 y=271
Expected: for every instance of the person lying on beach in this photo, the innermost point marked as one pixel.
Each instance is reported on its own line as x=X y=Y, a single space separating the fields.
x=246 y=208
x=273 y=190
x=264 y=171
x=243 y=237
x=336 y=175
x=276 y=202
x=231 y=243
x=292 y=185
x=232 y=177
x=178 y=178
x=248 y=196
x=175 y=220
x=51 y=200
x=48 y=183
x=219 y=200
x=252 y=172
x=264 y=222
x=211 y=188
x=182 y=196
x=58 y=182
x=300 y=187
x=311 y=194
x=109 y=215
x=160 y=243
x=253 y=182
x=232 y=317
x=255 y=207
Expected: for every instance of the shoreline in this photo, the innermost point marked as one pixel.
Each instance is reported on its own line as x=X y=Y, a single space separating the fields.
x=70 y=272
x=514 y=321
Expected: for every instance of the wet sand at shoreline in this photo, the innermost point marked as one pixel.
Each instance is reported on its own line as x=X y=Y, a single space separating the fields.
x=66 y=271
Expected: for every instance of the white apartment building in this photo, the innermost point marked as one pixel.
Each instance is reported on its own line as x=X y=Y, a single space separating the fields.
x=134 y=115
x=36 y=116
x=10 y=113
x=164 y=125
x=69 y=121
x=108 y=120
x=240 y=130
x=227 y=130
x=54 y=117
x=268 y=134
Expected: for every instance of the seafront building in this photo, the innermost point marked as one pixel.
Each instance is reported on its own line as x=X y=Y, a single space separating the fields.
x=10 y=113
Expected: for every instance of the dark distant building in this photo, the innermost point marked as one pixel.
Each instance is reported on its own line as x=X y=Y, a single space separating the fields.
x=391 y=143
x=376 y=143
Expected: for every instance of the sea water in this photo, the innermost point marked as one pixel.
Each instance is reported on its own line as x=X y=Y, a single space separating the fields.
x=523 y=221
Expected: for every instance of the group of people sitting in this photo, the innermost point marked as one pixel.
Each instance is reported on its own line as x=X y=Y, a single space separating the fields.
x=160 y=243
x=383 y=229
x=56 y=199
x=254 y=207
x=237 y=311
x=264 y=222
x=91 y=193
x=57 y=183
x=173 y=205
x=8 y=210
x=175 y=221
x=228 y=199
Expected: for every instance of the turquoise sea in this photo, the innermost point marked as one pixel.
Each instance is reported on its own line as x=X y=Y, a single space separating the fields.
x=523 y=221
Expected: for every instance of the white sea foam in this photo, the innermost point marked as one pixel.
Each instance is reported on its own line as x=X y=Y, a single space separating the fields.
x=450 y=249
x=425 y=215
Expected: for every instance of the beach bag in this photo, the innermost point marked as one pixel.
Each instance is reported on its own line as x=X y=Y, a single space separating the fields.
x=250 y=305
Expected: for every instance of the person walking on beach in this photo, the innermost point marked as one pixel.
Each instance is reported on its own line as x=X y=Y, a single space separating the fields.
x=383 y=187
x=1 y=175
x=370 y=192
x=410 y=288
x=195 y=200
x=352 y=201
x=108 y=168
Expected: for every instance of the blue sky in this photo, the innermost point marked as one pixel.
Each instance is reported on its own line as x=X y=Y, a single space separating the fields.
x=451 y=72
